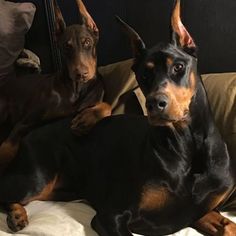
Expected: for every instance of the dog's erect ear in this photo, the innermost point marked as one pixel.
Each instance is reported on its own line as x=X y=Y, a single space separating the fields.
x=180 y=36
x=86 y=17
x=60 y=24
x=137 y=43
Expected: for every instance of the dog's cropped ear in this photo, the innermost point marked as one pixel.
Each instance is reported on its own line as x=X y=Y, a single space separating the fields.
x=180 y=35
x=86 y=18
x=60 y=24
x=137 y=43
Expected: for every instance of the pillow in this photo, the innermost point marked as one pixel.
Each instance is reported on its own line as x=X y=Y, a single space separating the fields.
x=16 y=19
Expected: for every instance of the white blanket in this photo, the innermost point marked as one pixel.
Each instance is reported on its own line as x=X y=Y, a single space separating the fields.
x=64 y=219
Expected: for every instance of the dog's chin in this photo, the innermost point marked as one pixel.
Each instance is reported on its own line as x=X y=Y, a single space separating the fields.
x=85 y=80
x=168 y=121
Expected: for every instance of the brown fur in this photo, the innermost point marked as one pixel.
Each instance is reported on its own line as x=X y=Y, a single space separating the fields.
x=89 y=117
x=154 y=198
x=213 y=223
x=8 y=152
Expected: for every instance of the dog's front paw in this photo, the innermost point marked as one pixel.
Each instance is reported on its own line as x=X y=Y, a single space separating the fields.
x=213 y=223
x=229 y=227
x=86 y=119
x=17 y=217
x=83 y=122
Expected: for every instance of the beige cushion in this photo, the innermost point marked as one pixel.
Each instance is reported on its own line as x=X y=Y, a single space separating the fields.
x=221 y=90
x=121 y=87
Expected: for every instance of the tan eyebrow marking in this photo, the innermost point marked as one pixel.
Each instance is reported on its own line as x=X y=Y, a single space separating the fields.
x=169 y=61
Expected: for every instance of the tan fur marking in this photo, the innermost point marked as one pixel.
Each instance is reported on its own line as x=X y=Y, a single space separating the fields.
x=169 y=61
x=216 y=200
x=102 y=110
x=86 y=119
x=179 y=101
x=45 y=194
x=8 y=151
x=154 y=198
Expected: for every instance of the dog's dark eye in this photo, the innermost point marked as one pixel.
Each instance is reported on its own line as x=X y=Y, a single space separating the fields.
x=178 y=67
x=67 y=47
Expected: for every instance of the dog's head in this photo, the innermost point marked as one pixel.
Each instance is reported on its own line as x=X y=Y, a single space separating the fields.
x=78 y=45
x=166 y=73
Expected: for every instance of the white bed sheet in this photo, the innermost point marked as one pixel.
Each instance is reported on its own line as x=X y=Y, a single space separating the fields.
x=64 y=219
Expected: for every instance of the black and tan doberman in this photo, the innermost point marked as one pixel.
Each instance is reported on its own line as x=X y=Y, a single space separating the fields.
x=150 y=175
x=30 y=100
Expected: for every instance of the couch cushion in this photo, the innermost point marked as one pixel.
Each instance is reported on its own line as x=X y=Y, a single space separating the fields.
x=221 y=90
x=16 y=19
x=121 y=87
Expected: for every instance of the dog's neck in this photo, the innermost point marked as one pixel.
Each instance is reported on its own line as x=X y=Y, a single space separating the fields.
x=176 y=145
x=202 y=121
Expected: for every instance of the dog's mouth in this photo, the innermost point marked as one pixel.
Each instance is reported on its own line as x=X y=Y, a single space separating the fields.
x=165 y=120
x=84 y=80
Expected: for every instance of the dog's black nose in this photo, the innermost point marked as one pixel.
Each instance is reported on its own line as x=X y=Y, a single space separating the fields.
x=157 y=103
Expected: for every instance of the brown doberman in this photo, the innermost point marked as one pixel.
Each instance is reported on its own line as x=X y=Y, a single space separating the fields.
x=30 y=100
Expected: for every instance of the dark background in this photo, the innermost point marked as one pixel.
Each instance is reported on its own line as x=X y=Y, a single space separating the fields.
x=212 y=23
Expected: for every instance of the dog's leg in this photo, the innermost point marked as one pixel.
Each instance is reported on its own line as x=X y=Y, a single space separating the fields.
x=9 y=147
x=21 y=186
x=111 y=225
x=215 y=224
x=17 y=217
x=87 y=118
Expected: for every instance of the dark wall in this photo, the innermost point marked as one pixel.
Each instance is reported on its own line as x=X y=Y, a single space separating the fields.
x=212 y=23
